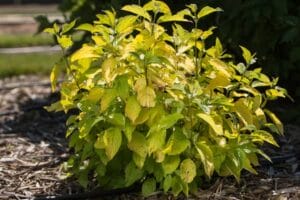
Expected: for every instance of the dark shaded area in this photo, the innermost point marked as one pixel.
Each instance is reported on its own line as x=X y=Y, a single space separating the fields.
x=18 y=2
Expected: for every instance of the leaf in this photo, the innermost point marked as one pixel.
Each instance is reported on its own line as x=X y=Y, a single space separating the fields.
x=247 y=55
x=146 y=97
x=67 y=27
x=117 y=119
x=65 y=41
x=138 y=160
x=95 y=94
x=138 y=10
x=85 y=27
x=99 y=144
x=170 y=164
x=138 y=144
x=177 y=143
x=207 y=10
x=216 y=125
x=108 y=97
x=53 y=76
x=171 y=18
x=84 y=52
x=112 y=139
x=125 y=24
x=109 y=67
x=206 y=156
x=148 y=187
x=167 y=183
x=157 y=6
x=263 y=136
x=243 y=112
x=221 y=67
x=169 y=120
x=132 y=108
x=156 y=140
x=187 y=170
x=132 y=173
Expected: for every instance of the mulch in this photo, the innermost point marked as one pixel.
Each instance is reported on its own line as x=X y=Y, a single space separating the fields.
x=33 y=149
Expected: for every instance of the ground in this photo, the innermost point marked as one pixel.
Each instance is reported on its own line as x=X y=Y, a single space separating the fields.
x=33 y=148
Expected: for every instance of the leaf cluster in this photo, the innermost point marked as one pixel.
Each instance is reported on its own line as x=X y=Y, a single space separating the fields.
x=159 y=106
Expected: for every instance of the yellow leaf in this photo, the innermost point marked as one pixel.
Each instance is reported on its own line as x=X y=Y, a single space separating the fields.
x=275 y=120
x=132 y=108
x=146 y=97
x=243 y=112
x=187 y=170
x=84 y=52
x=215 y=124
x=109 y=67
x=112 y=139
x=220 y=66
x=207 y=10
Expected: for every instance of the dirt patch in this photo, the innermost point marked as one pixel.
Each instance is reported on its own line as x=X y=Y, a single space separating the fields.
x=33 y=148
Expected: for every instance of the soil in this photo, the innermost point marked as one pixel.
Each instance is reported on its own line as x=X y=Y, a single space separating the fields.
x=33 y=149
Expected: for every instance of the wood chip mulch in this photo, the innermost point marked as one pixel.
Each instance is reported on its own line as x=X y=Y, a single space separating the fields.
x=33 y=148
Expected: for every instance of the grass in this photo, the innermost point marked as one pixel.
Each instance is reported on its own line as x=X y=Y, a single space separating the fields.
x=33 y=63
x=25 y=40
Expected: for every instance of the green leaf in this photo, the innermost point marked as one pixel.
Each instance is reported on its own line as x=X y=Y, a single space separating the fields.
x=129 y=128
x=275 y=120
x=216 y=125
x=187 y=170
x=176 y=186
x=112 y=139
x=132 y=173
x=167 y=183
x=169 y=120
x=247 y=55
x=263 y=136
x=132 y=108
x=108 y=97
x=99 y=144
x=117 y=119
x=170 y=164
x=149 y=186
x=138 y=160
x=138 y=144
x=138 y=10
x=146 y=97
x=207 y=10
x=177 y=143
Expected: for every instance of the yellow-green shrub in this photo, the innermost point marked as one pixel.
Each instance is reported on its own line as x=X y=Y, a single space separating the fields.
x=160 y=107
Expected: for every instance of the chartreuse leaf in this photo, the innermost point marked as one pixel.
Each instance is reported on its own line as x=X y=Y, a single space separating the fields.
x=176 y=144
x=169 y=120
x=206 y=156
x=117 y=119
x=275 y=120
x=243 y=111
x=170 y=164
x=167 y=183
x=132 y=108
x=125 y=24
x=67 y=27
x=65 y=41
x=146 y=97
x=187 y=170
x=132 y=173
x=263 y=136
x=138 y=144
x=84 y=52
x=157 y=6
x=138 y=160
x=112 y=139
x=138 y=10
x=207 y=10
x=108 y=97
x=53 y=76
x=246 y=55
x=156 y=140
x=109 y=67
x=85 y=27
x=95 y=94
x=215 y=124
x=149 y=186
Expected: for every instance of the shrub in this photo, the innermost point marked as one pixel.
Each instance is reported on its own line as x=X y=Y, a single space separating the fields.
x=157 y=106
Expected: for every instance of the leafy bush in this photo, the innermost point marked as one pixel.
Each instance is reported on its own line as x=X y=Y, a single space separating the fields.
x=158 y=106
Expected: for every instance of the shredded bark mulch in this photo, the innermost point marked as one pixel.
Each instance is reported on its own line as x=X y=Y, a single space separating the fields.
x=33 y=148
